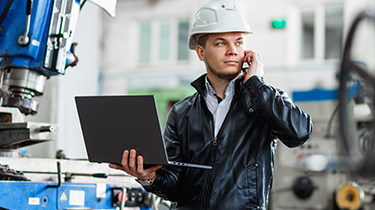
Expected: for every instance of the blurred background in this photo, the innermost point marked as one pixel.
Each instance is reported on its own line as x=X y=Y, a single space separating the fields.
x=143 y=50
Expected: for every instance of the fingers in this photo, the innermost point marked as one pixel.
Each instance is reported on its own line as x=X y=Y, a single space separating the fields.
x=133 y=165
x=251 y=56
x=140 y=168
x=140 y=164
x=256 y=67
x=248 y=55
x=115 y=166
x=125 y=161
x=132 y=162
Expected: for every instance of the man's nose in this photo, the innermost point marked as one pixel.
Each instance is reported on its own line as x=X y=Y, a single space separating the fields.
x=232 y=50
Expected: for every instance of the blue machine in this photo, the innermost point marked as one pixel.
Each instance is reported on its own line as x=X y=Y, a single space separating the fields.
x=16 y=195
x=37 y=34
x=19 y=193
x=35 y=43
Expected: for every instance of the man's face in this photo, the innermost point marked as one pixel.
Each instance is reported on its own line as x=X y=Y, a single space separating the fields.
x=223 y=55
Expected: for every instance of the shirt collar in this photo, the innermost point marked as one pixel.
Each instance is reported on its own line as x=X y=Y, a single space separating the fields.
x=228 y=90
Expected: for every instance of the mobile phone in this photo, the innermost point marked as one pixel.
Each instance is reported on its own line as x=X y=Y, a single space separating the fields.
x=245 y=66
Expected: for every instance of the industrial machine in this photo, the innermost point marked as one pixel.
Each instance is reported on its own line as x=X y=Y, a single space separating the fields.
x=335 y=169
x=35 y=44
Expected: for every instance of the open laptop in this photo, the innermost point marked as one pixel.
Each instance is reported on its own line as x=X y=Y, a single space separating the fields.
x=111 y=124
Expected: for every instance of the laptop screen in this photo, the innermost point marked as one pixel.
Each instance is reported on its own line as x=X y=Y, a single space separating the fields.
x=111 y=124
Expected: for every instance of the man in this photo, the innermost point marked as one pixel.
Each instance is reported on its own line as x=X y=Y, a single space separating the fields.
x=231 y=123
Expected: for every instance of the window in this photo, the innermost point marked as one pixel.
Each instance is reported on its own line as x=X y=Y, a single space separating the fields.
x=322 y=32
x=183 y=35
x=164 y=41
x=308 y=30
x=145 y=42
x=334 y=26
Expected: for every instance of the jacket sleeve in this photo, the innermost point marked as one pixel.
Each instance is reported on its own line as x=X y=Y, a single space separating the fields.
x=166 y=182
x=288 y=122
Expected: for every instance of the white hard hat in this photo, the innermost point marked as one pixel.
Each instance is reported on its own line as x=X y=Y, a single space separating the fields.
x=217 y=17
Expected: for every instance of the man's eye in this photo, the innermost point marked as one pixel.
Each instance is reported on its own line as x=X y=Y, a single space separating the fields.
x=220 y=43
x=239 y=43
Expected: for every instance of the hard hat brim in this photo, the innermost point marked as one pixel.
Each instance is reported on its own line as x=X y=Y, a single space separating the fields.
x=193 y=42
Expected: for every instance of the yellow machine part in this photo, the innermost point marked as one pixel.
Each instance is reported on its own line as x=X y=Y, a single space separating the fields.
x=349 y=196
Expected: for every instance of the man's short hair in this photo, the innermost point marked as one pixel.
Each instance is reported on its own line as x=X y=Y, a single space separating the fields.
x=202 y=39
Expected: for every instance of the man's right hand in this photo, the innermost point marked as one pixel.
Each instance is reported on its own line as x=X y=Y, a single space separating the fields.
x=133 y=165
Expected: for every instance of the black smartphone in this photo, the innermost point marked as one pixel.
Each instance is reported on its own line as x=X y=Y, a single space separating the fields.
x=245 y=66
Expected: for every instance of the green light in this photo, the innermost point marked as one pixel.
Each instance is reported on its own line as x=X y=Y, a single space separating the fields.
x=278 y=23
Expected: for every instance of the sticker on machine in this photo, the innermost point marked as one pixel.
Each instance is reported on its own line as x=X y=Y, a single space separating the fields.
x=34 y=201
x=63 y=196
x=76 y=197
x=35 y=43
x=101 y=190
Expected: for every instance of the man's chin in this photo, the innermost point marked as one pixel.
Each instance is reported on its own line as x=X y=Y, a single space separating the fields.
x=229 y=76
x=227 y=73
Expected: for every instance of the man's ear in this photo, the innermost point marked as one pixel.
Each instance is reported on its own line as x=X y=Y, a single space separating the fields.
x=199 y=49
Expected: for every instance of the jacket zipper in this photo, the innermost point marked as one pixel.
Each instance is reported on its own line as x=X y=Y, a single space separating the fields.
x=208 y=186
x=206 y=200
x=214 y=144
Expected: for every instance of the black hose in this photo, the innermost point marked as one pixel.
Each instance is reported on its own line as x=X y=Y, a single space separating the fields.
x=330 y=121
x=83 y=3
x=363 y=166
x=5 y=11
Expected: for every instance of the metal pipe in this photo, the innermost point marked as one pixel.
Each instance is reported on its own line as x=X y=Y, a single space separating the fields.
x=24 y=39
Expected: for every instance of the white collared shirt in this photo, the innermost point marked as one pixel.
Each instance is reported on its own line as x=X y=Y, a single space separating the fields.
x=218 y=109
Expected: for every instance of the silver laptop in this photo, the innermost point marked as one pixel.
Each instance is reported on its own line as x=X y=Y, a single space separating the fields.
x=111 y=124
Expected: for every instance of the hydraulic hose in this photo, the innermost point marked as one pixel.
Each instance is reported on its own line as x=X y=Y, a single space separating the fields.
x=5 y=11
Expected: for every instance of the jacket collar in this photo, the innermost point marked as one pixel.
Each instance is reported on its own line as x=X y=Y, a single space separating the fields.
x=200 y=84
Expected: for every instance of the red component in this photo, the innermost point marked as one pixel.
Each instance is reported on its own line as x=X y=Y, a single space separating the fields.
x=300 y=156
x=119 y=197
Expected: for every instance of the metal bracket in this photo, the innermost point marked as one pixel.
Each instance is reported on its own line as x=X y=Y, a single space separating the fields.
x=24 y=39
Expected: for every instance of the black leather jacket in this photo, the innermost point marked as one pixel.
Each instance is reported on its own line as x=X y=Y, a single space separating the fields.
x=242 y=153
